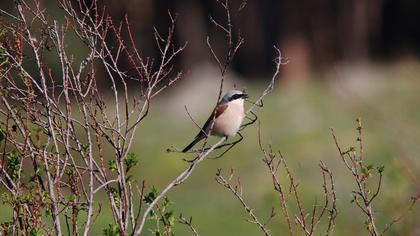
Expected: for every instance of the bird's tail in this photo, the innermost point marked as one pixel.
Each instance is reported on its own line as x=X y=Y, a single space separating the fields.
x=196 y=140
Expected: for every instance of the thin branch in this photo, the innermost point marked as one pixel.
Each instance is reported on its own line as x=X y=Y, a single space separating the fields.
x=188 y=223
x=237 y=192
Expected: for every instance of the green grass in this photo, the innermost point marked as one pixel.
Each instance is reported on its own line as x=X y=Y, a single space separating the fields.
x=296 y=119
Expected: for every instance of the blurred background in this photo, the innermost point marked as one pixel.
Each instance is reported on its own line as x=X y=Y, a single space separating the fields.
x=348 y=59
x=316 y=34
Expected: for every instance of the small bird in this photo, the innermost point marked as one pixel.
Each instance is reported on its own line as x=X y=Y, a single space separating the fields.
x=227 y=118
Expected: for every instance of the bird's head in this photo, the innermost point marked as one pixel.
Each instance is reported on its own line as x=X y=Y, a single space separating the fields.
x=233 y=95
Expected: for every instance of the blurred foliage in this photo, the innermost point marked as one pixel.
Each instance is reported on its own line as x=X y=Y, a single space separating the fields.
x=296 y=119
x=112 y=230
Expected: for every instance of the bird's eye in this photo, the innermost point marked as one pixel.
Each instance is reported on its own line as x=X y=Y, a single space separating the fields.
x=235 y=96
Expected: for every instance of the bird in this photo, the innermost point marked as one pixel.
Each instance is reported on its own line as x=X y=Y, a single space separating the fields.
x=226 y=118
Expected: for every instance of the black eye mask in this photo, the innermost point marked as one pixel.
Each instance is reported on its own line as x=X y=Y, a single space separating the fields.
x=237 y=96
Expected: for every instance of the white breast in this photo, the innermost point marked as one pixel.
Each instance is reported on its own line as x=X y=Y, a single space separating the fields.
x=228 y=123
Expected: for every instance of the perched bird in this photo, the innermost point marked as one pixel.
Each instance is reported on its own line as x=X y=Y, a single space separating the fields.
x=227 y=118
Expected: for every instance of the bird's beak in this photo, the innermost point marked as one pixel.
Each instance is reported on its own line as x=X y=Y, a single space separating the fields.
x=245 y=96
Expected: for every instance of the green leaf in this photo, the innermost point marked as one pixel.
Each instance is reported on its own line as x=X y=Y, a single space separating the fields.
x=4 y=62
x=151 y=196
x=116 y=199
x=35 y=232
x=47 y=212
x=69 y=171
x=166 y=202
x=26 y=199
x=112 y=165
x=169 y=218
x=4 y=59
x=3 y=32
x=85 y=147
x=131 y=160
x=351 y=149
x=128 y=178
x=112 y=230
x=14 y=109
x=153 y=215
x=365 y=171
x=13 y=164
x=5 y=93
x=368 y=225
x=380 y=169
x=5 y=198
x=157 y=233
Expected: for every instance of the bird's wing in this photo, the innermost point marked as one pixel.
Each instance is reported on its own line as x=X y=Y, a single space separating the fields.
x=216 y=112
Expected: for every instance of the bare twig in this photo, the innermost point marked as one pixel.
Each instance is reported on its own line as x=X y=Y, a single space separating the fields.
x=308 y=227
x=364 y=196
x=237 y=192
x=188 y=222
